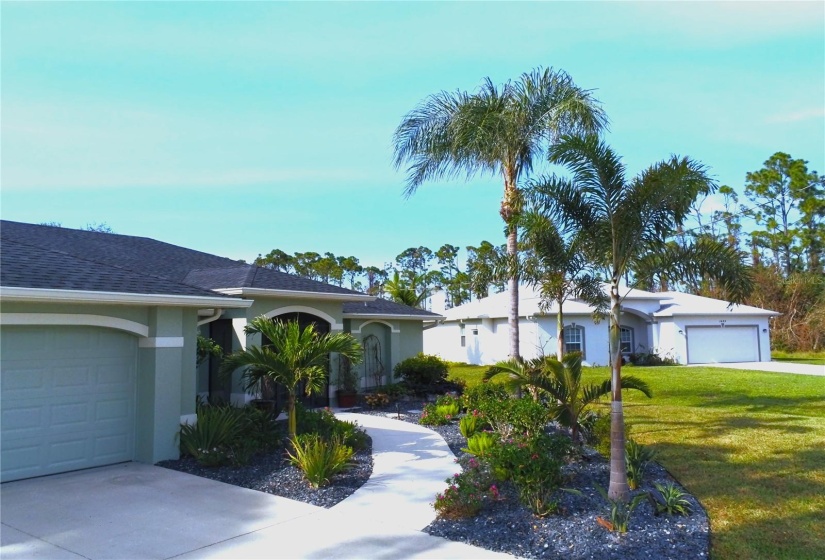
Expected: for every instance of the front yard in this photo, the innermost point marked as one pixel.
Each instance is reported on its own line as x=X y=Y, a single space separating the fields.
x=748 y=445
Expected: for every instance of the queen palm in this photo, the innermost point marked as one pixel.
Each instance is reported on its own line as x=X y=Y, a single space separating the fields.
x=292 y=356
x=625 y=222
x=496 y=131
x=562 y=382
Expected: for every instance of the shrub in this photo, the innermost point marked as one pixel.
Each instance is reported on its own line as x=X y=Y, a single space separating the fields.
x=395 y=390
x=619 y=512
x=433 y=415
x=324 y=424
x=466 y=493
x=422 y=373
x=211 y=439
x=511 y=416
x=481 y=444
x=475 y=397
x=471 y=423
x=318 y=458
x=637 y=457
x=259 y=429
x=671 y=500
x=528 y=461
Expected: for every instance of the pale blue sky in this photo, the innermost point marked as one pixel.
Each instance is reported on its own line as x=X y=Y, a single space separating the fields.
x=236 y=128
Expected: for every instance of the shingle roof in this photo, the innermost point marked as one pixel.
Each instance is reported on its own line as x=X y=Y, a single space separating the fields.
x=384 y=307
x=35 y=256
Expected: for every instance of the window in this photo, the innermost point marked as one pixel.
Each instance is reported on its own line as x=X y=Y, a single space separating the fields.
x=463 y=338
x=626 y=340
x=574 y=339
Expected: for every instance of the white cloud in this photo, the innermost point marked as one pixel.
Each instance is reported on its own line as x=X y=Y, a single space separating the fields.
x=797 y=115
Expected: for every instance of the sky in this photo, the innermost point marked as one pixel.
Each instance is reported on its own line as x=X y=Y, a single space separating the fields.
x=238 y=128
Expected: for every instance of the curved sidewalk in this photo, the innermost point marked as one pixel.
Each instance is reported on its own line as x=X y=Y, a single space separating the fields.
x=381 y=520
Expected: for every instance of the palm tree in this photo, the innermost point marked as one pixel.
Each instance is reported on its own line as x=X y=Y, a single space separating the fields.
x=559 y=268
x=496 y=131
x=562 y=382
x=293 y=356
x=405 y=290
x=626 y=221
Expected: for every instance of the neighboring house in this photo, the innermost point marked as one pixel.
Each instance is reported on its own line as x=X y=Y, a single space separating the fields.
x=690 y=329
x=99 y=335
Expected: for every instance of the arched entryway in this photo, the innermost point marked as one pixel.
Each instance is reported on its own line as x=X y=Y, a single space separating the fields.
x=304 y=319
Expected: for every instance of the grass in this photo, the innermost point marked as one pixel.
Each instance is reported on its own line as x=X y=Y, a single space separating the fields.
x=815 y=358
x=748 y=445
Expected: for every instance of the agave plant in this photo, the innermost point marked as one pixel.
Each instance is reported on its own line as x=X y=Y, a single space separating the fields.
x=562 y=383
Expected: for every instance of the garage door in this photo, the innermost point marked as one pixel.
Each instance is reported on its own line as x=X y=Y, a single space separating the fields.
x=722 y=344
x=67 y=399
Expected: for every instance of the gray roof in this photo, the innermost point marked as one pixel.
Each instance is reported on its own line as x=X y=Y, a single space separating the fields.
x=48 y=257
x=384 y=307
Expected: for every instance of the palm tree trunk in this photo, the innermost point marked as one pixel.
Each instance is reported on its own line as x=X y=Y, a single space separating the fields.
x=618 y=489
x=293 y=420
x=559 y=332
x=512 y=252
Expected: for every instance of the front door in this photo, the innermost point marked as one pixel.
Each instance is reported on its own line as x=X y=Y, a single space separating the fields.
x=320 y=399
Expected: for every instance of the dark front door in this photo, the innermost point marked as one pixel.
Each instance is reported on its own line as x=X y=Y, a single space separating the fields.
x=320 y=399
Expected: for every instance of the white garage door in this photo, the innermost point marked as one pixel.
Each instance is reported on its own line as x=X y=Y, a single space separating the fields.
x=722 y=344
x=67 y=399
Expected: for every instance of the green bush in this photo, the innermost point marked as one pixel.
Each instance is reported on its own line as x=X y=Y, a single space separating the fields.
x=422 y=371
x=474 y=398
x=433 y=415
x=619 y=511
x=211 y=439
x=323 y=423
x=320 y=459
x=515 y=416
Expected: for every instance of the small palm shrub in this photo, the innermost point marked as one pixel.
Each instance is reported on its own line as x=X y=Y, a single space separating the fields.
x=442 y=412
x=211 y=439
x=472 y=423
x=637 y=457
x=481 y=444
x=466 y=492
x=619 y=512
x=318 y=458
x=671 y=500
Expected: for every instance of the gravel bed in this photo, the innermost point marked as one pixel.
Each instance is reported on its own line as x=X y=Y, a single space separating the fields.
x=272 y=473
x=507 y=526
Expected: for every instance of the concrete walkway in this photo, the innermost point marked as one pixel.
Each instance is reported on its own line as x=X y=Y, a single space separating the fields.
x=776 y=367
x=142 y=511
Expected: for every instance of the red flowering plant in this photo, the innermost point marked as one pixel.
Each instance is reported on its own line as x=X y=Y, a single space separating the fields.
x=466 y=492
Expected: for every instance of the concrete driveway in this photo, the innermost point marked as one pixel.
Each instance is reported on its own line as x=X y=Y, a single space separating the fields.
x=776 y=367
x=136 y=511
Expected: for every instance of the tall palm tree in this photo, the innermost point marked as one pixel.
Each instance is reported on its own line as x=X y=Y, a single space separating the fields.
x=625 y=222
x=562 y=382
x=293 y=356
x=496 y=131
x=560 y=269
x=406 y=290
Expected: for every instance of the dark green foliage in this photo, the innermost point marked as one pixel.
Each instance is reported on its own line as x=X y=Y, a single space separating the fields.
x=651 y=358
x=319 y=458
x=422 y=371
x=598 y=432
x=472 y=423
x=466 y=492
x=475 y=397
x=226 y=434
x=669 y=499
x=325 y=425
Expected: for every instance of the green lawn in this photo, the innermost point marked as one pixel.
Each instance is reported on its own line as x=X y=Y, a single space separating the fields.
x=749 y=445
x=816 y=358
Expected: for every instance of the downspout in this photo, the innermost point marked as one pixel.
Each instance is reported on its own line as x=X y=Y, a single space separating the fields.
x=215 y=317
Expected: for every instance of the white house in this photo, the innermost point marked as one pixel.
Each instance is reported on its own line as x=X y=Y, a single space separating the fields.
x=691 y=329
